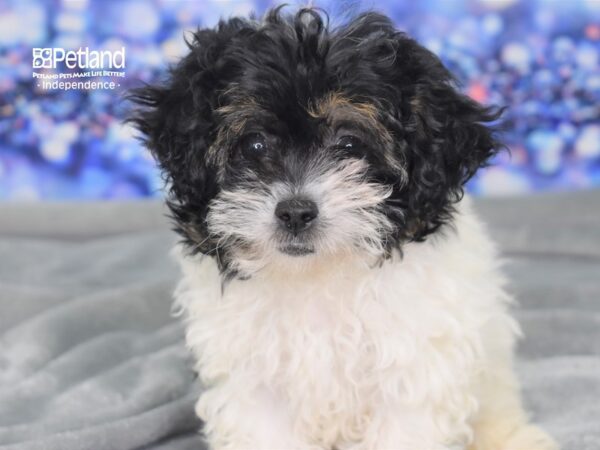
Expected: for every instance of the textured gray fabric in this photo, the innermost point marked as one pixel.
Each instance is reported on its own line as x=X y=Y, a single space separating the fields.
x=90 y=358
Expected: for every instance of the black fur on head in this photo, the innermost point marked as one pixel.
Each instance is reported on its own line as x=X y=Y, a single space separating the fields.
x=260 y=103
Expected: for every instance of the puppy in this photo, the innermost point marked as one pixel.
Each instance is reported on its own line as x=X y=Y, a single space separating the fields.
x=338 y=290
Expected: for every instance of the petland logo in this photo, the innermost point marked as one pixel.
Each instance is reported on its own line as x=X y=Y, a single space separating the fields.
x=84 y=58
x=93 y=65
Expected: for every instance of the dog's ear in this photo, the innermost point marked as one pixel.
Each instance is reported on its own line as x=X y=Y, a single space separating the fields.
x=448 y=136
x=176 y=117
x=177 y=121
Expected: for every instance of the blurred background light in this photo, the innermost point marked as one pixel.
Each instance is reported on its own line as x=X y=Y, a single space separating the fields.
x=540 y=58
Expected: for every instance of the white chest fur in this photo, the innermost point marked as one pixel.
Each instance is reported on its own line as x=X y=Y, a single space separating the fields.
x=333 y=347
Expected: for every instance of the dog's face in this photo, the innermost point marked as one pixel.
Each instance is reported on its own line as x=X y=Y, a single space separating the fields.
x=283 y=141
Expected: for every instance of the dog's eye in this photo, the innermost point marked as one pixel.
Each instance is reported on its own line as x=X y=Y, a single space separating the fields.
x=348 y=142
x=253 y=143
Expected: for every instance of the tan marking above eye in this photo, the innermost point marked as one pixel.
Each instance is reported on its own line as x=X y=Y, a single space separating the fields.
x=337 y=108
x=236 y=116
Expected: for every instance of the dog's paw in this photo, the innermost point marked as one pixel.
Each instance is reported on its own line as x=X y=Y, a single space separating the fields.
x=529 y=437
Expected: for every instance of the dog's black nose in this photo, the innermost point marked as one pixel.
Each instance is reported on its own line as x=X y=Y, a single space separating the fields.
x=296 y=215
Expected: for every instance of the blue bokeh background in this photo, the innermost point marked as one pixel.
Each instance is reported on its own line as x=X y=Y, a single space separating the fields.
x=540 y=58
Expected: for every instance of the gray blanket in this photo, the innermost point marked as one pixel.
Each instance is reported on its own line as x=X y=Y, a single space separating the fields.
x=91 y=359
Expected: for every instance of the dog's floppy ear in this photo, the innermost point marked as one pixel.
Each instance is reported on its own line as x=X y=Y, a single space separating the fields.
x=177 y=122
x=176 y=117
x=449 y=137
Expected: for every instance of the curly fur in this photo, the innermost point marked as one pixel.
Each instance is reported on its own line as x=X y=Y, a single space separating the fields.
x=275 y=65
x=392 y=330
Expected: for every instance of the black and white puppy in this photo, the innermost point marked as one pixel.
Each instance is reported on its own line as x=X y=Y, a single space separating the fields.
x=338 y=290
